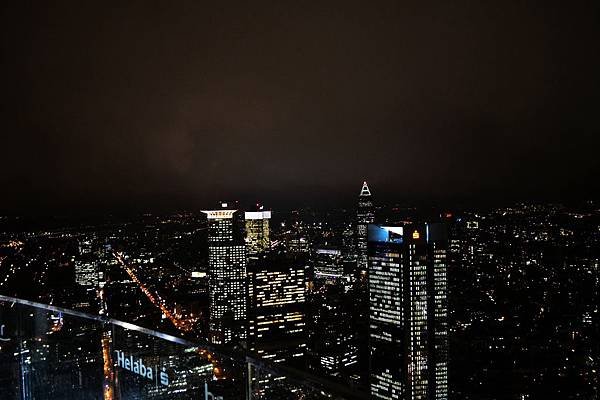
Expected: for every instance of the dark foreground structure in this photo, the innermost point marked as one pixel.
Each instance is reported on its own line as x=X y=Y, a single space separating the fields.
x=56 y=353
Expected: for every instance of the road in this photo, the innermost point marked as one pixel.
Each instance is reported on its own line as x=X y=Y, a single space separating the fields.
x=183 y=325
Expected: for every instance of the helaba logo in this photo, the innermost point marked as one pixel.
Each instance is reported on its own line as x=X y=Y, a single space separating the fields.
x=137 y=367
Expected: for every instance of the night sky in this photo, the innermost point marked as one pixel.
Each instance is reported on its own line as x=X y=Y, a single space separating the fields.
x=180 y=104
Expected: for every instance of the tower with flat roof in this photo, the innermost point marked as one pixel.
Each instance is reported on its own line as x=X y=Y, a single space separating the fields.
x=257 y=230
x=226 y=275
x=408 y=312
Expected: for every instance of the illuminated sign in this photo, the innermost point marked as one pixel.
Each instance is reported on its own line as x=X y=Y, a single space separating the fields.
x=416 y=235
x=137 y=367
x=219 y=214
x=398 y=230
x=257 y=214
x=391 y=234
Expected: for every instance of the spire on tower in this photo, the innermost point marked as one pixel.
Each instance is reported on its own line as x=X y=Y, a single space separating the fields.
x=365 y=189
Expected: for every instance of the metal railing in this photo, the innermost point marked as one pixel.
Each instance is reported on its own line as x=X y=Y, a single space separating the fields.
x=249 y=365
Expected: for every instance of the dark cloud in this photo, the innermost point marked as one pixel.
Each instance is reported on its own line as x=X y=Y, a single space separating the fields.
x=181 y=103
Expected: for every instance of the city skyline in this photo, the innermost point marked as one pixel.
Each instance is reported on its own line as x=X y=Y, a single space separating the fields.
x=465 y=304
x=346 y=200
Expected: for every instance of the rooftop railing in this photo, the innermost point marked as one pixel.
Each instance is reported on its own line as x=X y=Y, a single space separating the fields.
x=50 y=352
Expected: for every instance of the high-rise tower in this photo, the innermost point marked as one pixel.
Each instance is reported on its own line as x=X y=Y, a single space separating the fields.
x=277 y=293
x=276 y=312
x=408 y=316
x=257 y=231
x=365 y=215
x=226 y=275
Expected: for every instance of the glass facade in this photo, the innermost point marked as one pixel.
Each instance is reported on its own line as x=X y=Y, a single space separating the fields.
x=227 y=276
x=277 y=319
x=48 y=352
x=257 y=231
x=408 y=327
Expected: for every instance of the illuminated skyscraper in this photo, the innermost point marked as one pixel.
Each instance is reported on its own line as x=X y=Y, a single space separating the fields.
x=89 y=274
x=226 y=275
x=277 y=293
x=276 y=312
x=86 y=273
x=257 y=231
x=408 y=317
x=365 y=215
x=328 y=263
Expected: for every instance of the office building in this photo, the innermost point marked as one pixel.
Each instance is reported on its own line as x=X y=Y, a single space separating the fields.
x=333 y=347
x=87 y=274
x=365 y=215
x=277 y=296
x=276 y=311
x=257 y=231
x=408 y=316
x=328 y=263
x=226 y=275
